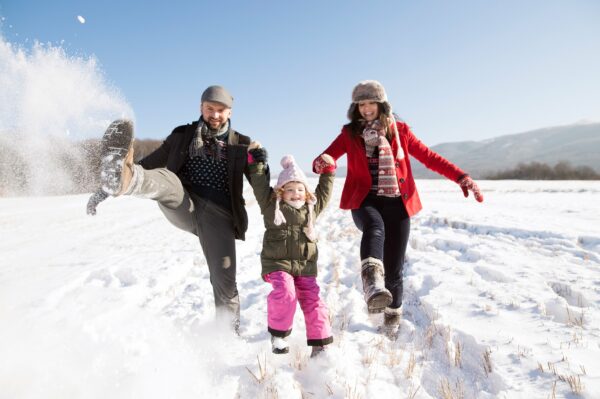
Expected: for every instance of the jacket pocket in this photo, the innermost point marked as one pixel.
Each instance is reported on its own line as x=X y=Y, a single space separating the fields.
x=310 y=250
x=275 y=244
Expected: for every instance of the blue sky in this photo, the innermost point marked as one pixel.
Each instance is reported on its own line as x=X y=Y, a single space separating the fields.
x=454 y=70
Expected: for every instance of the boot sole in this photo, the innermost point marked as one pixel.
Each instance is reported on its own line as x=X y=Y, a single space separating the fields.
x=116 y=145
x=378 y=302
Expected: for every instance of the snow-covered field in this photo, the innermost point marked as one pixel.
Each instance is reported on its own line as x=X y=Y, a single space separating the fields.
x=501 y=301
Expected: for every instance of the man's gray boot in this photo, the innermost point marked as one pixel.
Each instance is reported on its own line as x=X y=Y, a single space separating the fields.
x=376 y=295
x=116 y=158
x=116 y=163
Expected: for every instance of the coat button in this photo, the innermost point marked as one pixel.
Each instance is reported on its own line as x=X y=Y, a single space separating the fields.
x=402 y=180
x=405 y=196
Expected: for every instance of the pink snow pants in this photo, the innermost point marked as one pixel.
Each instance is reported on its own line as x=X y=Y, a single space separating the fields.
x=281 y=306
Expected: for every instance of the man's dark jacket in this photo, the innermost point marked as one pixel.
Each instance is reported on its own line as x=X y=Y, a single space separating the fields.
x=173 y=153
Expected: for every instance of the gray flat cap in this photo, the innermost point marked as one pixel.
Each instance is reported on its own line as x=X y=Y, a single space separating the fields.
x=217 y=94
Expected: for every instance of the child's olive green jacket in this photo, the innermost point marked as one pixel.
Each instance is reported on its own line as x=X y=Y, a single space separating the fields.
x=286 y=247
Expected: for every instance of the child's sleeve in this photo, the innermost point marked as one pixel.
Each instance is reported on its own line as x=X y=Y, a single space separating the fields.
x=259 y=180
x=323 y=191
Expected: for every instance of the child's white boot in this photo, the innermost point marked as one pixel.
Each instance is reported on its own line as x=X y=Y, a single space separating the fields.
x=279 y=345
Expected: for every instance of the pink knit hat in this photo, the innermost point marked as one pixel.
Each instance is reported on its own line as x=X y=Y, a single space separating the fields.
x=292 y=172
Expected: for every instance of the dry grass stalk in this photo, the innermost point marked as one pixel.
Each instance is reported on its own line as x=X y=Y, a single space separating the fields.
x=306 y=395
x=271 y=392
x=458 y=354
x=410 y=367
x=446 y=391
x=430 y=334
x=299 y=360
x=352 y=392
x=329 y=390
x=411 y=393
x=262 y=370
x=574 y=319
x=574 y=383
x=370 y=356
x=336 y=273
x=523 y=352
x=380 y=343
x=448 y=351
x=487 y=361
x=552 y=367
x=339 y=319
x=394 y=358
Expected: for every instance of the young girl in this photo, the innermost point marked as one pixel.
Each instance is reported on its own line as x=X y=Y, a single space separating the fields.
x=289 y=254
x=381 y=192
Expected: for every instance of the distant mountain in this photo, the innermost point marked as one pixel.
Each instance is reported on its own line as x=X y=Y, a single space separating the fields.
x=578 y=144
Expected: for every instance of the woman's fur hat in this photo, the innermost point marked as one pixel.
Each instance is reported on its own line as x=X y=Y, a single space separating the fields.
x=369 y=90
x=372 y=90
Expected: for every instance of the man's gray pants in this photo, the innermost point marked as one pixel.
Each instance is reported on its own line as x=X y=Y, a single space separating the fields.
x=211 y=223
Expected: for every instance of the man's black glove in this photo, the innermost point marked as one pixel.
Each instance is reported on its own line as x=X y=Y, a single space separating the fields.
x=94 y=200
x=259 y=154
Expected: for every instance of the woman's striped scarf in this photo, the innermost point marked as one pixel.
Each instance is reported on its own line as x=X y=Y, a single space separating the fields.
x=374 y=136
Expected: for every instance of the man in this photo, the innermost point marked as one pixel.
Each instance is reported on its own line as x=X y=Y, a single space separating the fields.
x=196 y=178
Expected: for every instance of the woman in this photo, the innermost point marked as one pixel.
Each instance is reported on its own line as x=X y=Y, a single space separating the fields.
x=381 y=193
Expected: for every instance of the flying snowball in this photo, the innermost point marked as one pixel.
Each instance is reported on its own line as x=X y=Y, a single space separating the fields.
x=81 y=19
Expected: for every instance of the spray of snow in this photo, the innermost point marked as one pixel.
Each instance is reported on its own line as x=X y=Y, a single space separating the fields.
x=48 y=99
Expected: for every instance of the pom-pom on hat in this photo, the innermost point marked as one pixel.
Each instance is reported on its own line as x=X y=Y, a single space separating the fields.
x=291 y=172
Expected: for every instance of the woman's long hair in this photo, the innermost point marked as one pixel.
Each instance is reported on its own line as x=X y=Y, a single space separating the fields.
x=356 y=123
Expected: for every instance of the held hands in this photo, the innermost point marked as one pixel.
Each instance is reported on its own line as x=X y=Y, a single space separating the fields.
x=94 y=200
x=256 y=153
x=324 y=163
x=466 y=183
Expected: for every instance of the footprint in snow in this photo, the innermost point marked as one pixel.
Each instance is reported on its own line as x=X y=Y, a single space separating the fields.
x=493 y=275
x=101 y=276
x=126 y=277
x=572 y=296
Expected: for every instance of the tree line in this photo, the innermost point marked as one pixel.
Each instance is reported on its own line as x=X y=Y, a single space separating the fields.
x=563 y=170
